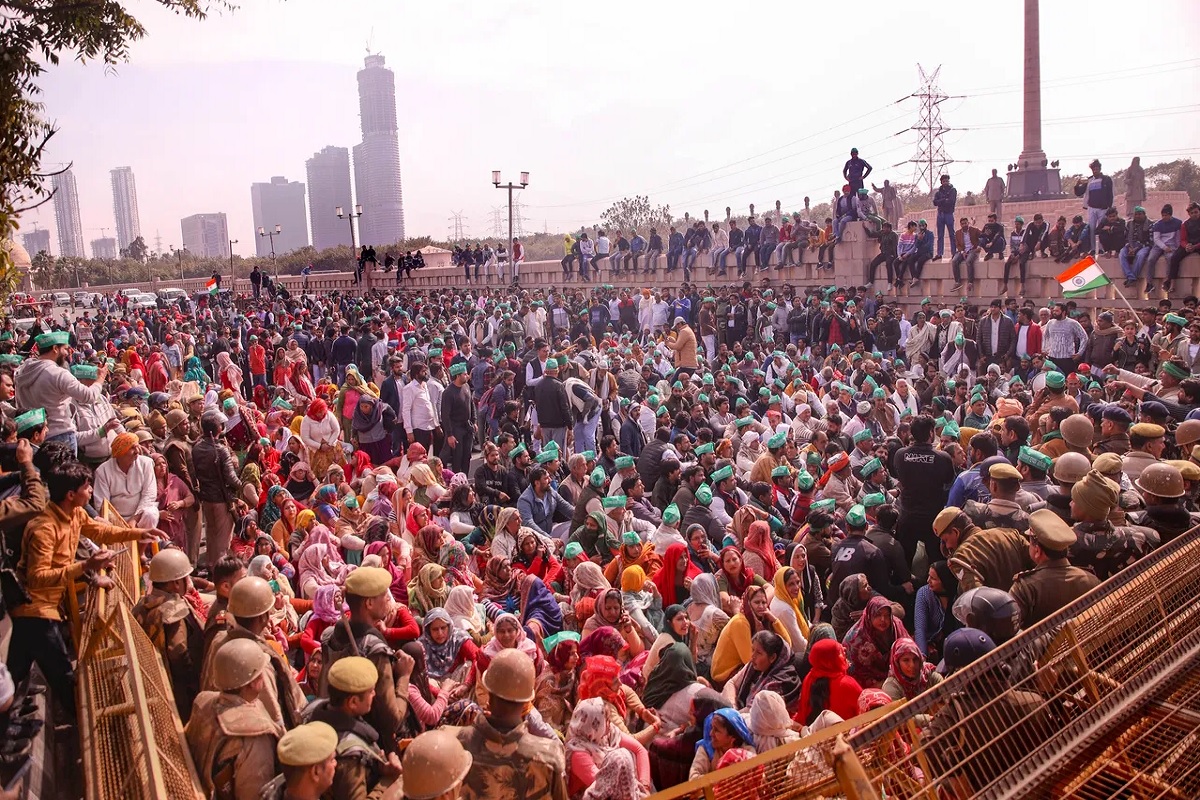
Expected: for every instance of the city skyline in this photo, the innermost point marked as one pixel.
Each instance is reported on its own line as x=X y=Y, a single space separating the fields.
x=66 y=215
x=377 y=158
x=125 y=206
x=594 y=129
x=280 y=202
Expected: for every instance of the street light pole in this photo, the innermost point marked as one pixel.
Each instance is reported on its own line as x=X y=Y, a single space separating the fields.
x=350 y=216
x=270 y=235
x=232 y=274
x=510 y=186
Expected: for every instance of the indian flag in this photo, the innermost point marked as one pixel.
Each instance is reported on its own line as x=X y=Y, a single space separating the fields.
x=1085 y=276
x=211 y=286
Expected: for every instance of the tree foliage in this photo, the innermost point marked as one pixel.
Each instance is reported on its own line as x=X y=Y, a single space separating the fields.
x=137 y=249
x=33 y=36
x=635 y=212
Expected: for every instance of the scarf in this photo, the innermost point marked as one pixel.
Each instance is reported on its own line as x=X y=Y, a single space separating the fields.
x=440 y=658
x=616 y=779
x=769 y=721
x=270 y=513
x=600 y=679
x=493 y=648
x=868 y=649
x=324 y=607
x=589 y=577
x=422 y=597
x=674 y=671
x=734 y=721
x=317 y=410
x=737 y=584
x=591 y=731
x=194 y=371
x=538 y=605
x=460 y=605
x=398 y=589
x=910 y=686
x=781 y=678
x=794 y=603
x=363 y=423
x=453 y=556
x=604 y=641
x=496 y=588
x=666 y=576
x=758 y=541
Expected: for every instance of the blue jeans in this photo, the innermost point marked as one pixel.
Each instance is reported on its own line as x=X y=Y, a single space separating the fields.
x=652 y=260
x=1155 y=254
x=689 y=257
x=945 y=220
x=585 y=433
x=1133 y=271
x=840 y=223
x=718 y=257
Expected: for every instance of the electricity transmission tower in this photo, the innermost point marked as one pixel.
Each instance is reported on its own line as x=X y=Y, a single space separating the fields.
x=519 y=218
x=498 y=221
x=931 y=155
x=457 y=227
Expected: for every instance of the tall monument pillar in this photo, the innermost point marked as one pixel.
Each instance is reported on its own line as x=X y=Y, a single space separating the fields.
x=1033 y=178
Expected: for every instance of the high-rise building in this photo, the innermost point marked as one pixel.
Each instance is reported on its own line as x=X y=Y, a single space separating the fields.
x=66 y=215
x=280 y=202
x=377 y=159
x=36 y=241
x=105 y=248
x=328 y=188
x=125 y=206
x=206 y=235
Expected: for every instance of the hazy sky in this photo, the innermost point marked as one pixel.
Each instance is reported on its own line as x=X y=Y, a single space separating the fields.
x=700 y=105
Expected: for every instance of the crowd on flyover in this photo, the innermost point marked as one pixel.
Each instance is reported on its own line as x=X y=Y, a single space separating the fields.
x=579 y=542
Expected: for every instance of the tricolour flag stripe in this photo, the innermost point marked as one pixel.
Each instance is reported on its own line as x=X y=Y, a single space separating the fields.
x=1083 y=277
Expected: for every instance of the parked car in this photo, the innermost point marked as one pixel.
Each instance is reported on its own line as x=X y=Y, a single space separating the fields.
x=85 y=300
x=142 y=301
x=62 y=299
x=131 y=293
x=171 y=296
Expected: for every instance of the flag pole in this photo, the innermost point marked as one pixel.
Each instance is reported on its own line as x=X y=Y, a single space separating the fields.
x=1121 y=295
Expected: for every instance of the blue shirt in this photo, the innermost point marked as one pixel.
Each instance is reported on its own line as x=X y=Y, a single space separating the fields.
x=968 y=486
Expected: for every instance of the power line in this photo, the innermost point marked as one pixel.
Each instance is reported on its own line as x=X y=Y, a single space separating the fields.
x=497 y=216
x=1101 y=117
x=456 y=231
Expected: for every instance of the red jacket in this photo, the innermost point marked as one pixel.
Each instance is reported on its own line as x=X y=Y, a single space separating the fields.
x=828 y=660
x=1033 y=339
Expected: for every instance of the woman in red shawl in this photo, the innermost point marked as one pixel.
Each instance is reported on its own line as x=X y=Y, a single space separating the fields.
x=279 y=375
x=534 y=558
x=156 y=373
x=759 y=555
x=869 y=642
x=674 y=578
x=734 y=577
x=827 y=686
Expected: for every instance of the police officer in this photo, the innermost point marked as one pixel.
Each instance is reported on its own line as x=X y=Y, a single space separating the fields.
x=1114 y=431
x=993 y=611
x=231 y=735
x=979 y=557
x=1003 y=510
x=308 y=756
x=362 y=767
x=1053 y=582
x=1104 y=548
x=173 y=625
x=508 y=760
x=368 y=595
x=1162 y=491
x=856 y=553
x=435 y=764
x=250 y=604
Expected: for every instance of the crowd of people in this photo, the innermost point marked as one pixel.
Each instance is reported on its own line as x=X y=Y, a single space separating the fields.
x=489 y=262
x=579 y=542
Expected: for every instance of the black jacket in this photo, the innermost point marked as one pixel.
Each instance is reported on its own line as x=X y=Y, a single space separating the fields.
x=216 y=472
x=553 y=407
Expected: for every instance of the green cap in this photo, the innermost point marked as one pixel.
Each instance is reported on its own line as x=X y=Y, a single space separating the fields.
x=856 y=517
x=862 y=435
x=11 y=358
x=742 y=422
x=551 y=642
x=624 y=462
x=1173 y=319
x=573 y=550
x=630 y=537
x=874 y=499
x=878 y=394
x=776 y=441
x=827 y=505
x=597 y=477
x=588 y=455
x=871 y=467
x=741 y=402
x=813 y=457
x=1056 y=380
x=85 y=372
x=280 y=403
x=782 y=471
x=1033 y=458
x=723 y=473
x=677 y=385
x=661 y=412
x=516 y=451
x=31 y=419
x=458 y=368
x=704 y=494
x=702 y=398
x=951 y=429
x=704 y=449
x=708 y=379
x=616 y=501
x=45 y=341
x=546 y=456
x=804 y=481
x=670 y=514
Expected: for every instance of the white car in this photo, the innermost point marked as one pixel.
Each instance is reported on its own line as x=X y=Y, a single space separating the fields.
x=143 y=301
x=171 y=295
x=85 y=299
x=62 y=299
x=131 y=293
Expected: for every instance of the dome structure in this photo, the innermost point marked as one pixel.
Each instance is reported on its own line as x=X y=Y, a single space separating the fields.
x=19 y=254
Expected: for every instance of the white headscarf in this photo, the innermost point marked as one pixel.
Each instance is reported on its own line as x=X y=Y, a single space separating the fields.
x=770 y=722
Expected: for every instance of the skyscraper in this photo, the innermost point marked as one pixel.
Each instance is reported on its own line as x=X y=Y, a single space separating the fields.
x=104 y=248
x=280 y=202
x=66 y=215
x=206 y=235
x=328 y=188
x=125 y=206
x=377 y=159
x=36 y=241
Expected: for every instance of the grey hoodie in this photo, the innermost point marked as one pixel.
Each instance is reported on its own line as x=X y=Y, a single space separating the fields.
x=40 y=383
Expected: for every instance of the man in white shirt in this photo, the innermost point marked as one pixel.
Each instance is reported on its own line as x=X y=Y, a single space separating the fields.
x=127 y=481
x=417 y=410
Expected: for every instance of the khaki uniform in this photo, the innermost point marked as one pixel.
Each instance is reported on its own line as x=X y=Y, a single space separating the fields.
x=233 y=745
x=281 y=695
x=176 y=631
x=1134 y=461
x=1049 y=587
x=998 y=514
x=989 y=558
x=513 y=765
x=359 y=759
x=390 y=707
